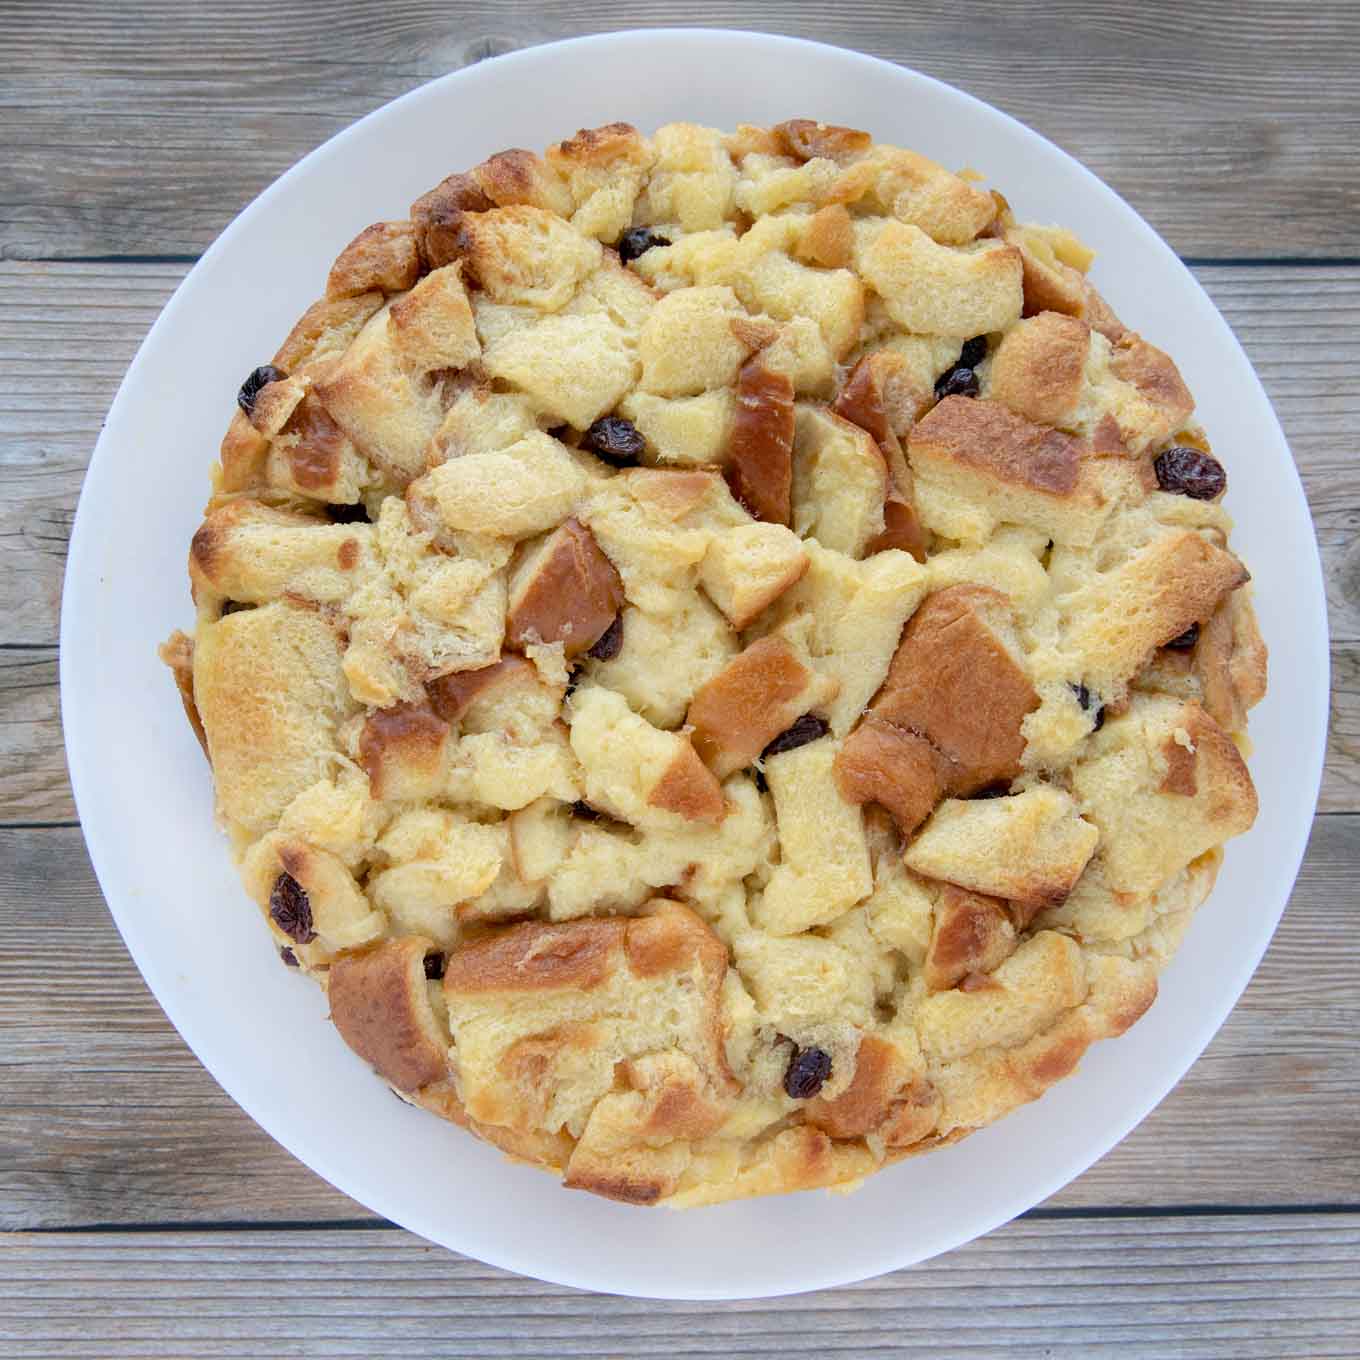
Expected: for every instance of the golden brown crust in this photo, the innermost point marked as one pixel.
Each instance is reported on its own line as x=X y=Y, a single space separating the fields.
x=760 y=449
x=380 y=1006
x=567 y=592
x=382 y=258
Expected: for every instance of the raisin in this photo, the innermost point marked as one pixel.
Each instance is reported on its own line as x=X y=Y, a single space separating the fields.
x=974 y=351
x=434 y=966
x=250 y=389
x=610 y=642
x=348 y=514
x=1085 y=699
x=289 y=958
x=1184 y=642
x=585 y=812
x=808 y=728
x=616 y=440
x=1184 y=471
x=638 y=241
x=291 y=910
x=808 y=1069
x=958 y=382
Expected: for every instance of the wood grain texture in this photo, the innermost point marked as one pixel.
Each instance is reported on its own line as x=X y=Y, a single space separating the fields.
x=1256 y=108
x=108 y=1118
x=1098 y=1289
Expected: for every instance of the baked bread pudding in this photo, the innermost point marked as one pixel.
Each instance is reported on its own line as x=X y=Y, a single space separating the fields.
x=721 y=654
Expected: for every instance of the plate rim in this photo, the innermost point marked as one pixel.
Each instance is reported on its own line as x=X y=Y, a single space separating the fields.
x=80 y=743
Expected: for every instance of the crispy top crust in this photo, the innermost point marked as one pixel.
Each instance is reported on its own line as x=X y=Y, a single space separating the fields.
x=695 y=755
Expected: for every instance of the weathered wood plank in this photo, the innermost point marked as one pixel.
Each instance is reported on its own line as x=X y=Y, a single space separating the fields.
x=101 y=160
x=1217 y=1286
x=68 y=331
x=108 y=1118
x=34 y=786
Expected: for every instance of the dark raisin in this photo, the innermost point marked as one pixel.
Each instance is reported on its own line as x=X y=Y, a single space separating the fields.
x=616 y=440
x=1184 y=642
x=808 y=728
x=974 y=351
x=233 y=607
x=958 y=382
x=638 y=241
x=289 y=958
x=434 y=966
x=1085 y=699
x=808 y=1069
x=1190 y=472
x=610 y=642
x=291 y=910
x=250 y=389
x=585 y=812
x=348 y=514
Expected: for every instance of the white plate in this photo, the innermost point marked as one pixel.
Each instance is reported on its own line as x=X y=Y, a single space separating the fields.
x=143 y=789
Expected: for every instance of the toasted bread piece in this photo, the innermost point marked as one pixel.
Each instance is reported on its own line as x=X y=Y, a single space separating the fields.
x=564 y=590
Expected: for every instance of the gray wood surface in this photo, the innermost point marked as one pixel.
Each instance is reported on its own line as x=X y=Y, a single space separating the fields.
x=1228 y=1224
x=1277 y=1286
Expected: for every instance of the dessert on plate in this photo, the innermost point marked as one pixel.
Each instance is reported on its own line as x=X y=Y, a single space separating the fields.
x=721 y=654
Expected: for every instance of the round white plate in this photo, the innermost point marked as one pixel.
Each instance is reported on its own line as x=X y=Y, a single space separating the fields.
x=143 y=788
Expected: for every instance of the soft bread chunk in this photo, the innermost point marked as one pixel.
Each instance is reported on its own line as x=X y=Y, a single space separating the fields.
x=1116 y=619
x=541 y=1014
x=382 y=257
x=508 y=696
x=251 y=553
x=889 y=1095
x=970 y=934
x=338 y=915
x=775 y=285
x=573 y=368
x=759 y=463
x=636 y=771
x=948 y=718
x=1006 y=469
x=565 y=590
x=656 y=527
x=388 y=410
x=840 y=481
x=849 y=615
x=1044 y=977
x=690 y=344
x=1055 y=263
x=435 y=861
x=381 y=1006
x=755 y=697
x=432 y=325
x=1230 y=662
x=525 y=254
x=1163 y=784
x=481 y=420
x=692 y=180
x=749 y=566
x=1029 y=848
x=1057 y=370
x=682 y=431
x=522 y=490
x=666 y=656
x=824 y=868
x=609 y=867
x=914 y=189
x=894 y=767
x=931 y=289
x=312 y=456
x=404 y=750
x=270 y=692
x=603 y=168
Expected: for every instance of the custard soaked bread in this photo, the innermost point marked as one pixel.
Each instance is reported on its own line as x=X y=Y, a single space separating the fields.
x=722 y=654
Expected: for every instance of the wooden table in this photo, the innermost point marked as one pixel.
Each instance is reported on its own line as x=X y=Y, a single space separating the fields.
x=147 y=1215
